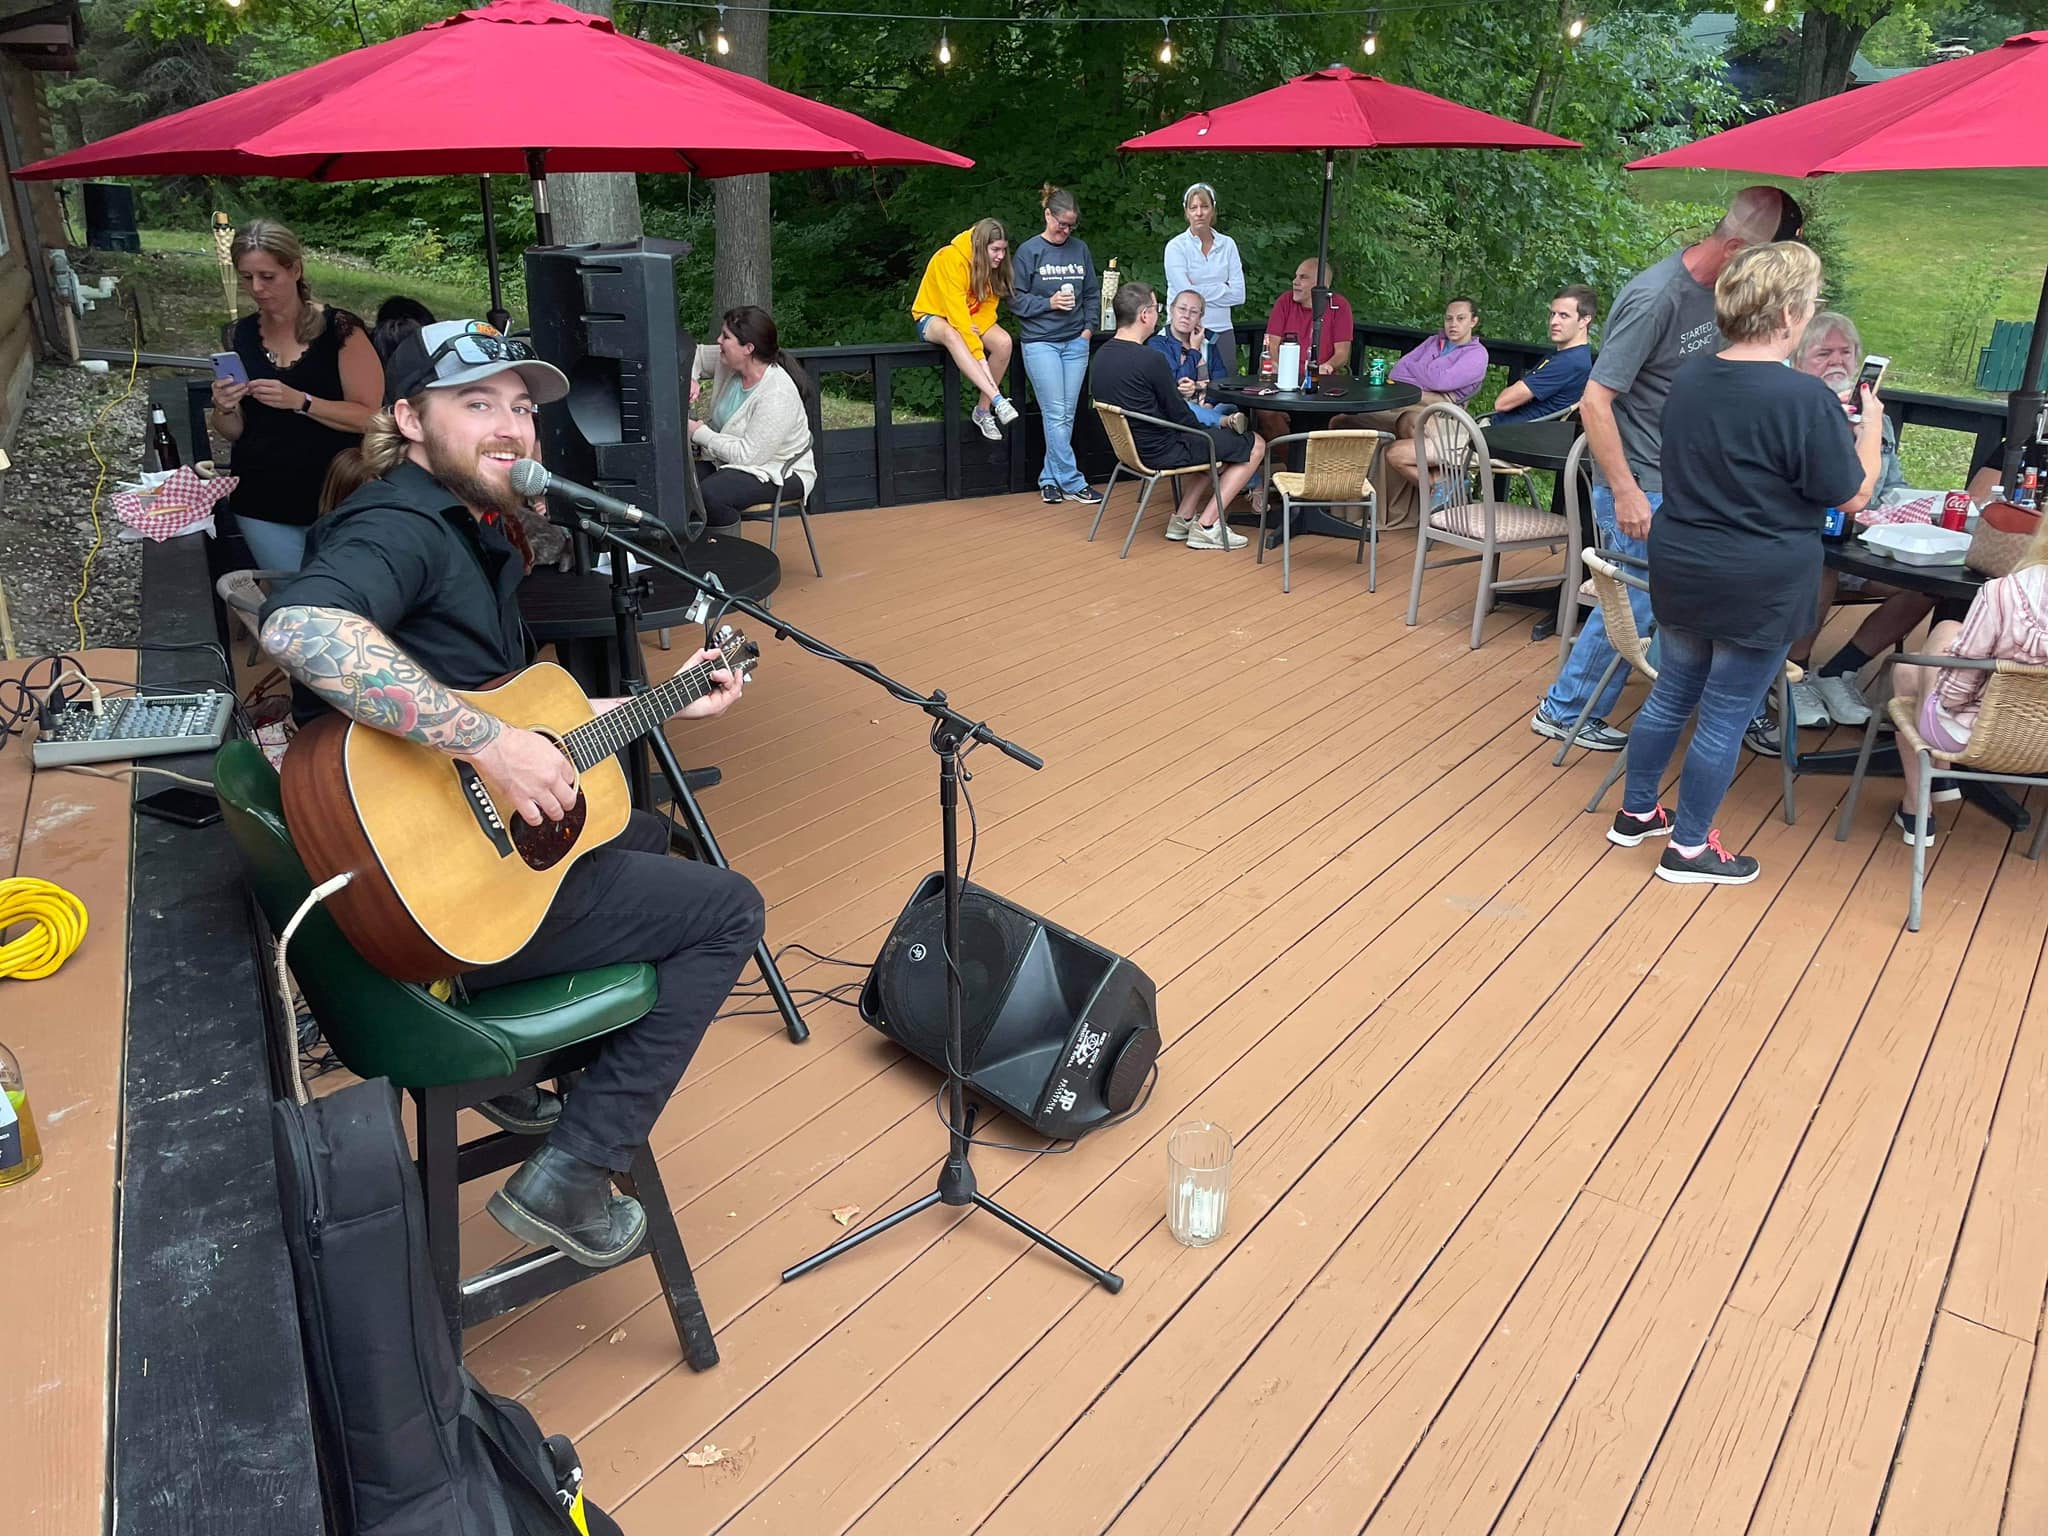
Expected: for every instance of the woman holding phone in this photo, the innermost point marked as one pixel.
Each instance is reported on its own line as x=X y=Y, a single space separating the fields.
x=299 y=386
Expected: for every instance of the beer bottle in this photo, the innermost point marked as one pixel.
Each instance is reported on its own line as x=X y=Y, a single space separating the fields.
x=163 y=448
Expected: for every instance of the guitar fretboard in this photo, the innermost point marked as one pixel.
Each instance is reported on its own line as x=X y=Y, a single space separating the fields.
x=598 y=739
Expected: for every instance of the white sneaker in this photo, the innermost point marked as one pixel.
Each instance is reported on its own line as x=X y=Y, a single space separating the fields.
x=1218 y=537
x=1177 y=527
x=1808 y=707
x=1005 y=412
x=988 y=426
x=1844 y=700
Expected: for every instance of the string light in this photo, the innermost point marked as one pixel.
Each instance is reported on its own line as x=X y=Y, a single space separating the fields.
x=1770 y=6
x=1166 y=44
x=721 y=44
x=1577 y=29
x=1371 y=45
x=945 y=46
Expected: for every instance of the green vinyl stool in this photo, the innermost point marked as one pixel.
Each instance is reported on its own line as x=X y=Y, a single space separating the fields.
x=451 y=1056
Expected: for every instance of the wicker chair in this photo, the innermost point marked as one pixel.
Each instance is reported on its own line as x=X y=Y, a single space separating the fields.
x=1336 y=471
x=1116 y=423
x=769 y=509
x=1610 y=589
x=1507 y=469
x=2009 y=745
x=1451 y=448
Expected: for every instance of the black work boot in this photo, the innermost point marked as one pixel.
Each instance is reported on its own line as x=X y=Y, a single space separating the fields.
x=556 y=1200
x=524 y=1111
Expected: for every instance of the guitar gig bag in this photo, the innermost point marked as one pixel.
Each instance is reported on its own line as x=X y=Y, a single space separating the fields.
x=410 y=1443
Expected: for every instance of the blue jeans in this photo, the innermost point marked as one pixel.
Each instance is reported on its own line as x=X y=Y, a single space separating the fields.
x=1727 y=683
x=273 y=546
x=1590 y=650
x=1056 y=370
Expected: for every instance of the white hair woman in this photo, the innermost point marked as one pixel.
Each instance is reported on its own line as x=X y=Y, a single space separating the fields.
x=1205 y=259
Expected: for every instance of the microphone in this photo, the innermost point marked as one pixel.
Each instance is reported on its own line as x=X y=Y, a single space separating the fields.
x=532 y=479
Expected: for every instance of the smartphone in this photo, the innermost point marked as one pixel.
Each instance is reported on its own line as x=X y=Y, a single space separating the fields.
x=227 y=366
x=186 y=807
x=1871 y=376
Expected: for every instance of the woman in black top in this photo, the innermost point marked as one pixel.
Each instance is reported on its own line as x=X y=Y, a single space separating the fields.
x=314 y=383
x=1754 y=455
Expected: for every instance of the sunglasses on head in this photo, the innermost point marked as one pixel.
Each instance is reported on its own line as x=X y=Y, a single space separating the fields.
x=476 y=348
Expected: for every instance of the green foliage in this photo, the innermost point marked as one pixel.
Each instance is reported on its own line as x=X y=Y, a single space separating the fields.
x=1901 y=40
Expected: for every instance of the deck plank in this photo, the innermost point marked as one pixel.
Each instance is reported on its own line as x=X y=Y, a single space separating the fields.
x=1952 y=1466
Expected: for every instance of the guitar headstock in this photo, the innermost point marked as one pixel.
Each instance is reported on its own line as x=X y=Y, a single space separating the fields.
x=740 y=654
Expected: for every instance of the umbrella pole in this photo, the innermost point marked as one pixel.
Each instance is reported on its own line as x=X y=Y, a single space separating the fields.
x=1321 y=298
x=537 y=173
x=2023 y=414
x=498 y=316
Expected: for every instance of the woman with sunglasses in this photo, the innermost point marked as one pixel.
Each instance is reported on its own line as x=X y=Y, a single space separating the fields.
x=313 y=383
x=1056 y=296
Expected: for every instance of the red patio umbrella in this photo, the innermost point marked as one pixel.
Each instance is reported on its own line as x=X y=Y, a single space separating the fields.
x=517 y=86
x=1335 y=109
x=1987 y=111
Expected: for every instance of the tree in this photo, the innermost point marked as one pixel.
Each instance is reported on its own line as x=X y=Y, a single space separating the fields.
x=600 y=206
x=1829 y=34
x=744 y=270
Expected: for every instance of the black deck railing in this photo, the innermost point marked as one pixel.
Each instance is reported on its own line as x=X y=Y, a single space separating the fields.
x=909 y=457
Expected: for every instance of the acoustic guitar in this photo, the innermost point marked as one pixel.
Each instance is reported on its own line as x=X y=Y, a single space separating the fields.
x=445 y=880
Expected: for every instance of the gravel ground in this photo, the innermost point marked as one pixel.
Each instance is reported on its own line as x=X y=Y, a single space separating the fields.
x=46 y=524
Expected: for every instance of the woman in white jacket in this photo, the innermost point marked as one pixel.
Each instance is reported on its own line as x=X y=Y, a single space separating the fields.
x=757 y=434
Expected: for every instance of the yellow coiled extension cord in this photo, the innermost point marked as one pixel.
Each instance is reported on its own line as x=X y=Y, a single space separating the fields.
x=58 y=927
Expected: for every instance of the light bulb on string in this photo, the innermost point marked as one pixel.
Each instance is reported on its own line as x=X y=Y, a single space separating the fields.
x=720 y=43
x=1371 y=45
x=1166 y=41
x=1577 y=29
x=234 y=5
x=1770 y=6
x=945 y=47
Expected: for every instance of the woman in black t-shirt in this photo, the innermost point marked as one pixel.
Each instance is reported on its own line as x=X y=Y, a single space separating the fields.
x=314 y=383
x=1754 y=454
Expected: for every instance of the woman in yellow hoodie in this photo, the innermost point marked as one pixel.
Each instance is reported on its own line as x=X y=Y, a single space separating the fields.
x=955 y=308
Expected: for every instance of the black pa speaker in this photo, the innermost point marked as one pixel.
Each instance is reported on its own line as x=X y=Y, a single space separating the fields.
x=1057 y=1031
x=606 y=316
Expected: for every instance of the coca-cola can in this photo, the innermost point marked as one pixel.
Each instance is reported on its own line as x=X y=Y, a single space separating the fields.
x=1955 y=510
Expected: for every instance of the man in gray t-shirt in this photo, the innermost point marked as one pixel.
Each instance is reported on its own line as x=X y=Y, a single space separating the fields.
x=1661 y=318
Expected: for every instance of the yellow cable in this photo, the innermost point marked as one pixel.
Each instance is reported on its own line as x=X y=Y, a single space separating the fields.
x=58 y=927
x=99 y=532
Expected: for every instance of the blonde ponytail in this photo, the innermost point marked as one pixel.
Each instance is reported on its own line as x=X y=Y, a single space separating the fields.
x=384 y=446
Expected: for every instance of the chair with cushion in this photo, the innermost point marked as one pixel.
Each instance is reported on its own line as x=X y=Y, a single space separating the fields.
x=1336 y=471
x=450 y=1056
x=1451 y=449
x=770 y=511
x=1610 y=587
x=2008 y=745
x=1116 y=423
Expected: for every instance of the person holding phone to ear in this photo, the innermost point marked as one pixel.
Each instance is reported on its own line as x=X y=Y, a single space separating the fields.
x=299 y=386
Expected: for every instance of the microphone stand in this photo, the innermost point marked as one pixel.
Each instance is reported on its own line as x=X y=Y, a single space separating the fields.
x=953 y=735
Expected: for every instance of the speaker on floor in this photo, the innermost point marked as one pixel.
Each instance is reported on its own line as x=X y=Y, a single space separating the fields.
x=1057 y=1031
x=606 y=316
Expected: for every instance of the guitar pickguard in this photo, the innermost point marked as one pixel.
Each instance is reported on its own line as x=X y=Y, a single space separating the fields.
x=545 y=846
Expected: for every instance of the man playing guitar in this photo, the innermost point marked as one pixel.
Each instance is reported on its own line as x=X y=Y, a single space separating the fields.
x=409 y=590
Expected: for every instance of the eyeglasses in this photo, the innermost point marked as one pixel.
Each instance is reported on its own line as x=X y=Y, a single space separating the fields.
x=477 y=348
x=1069 y=225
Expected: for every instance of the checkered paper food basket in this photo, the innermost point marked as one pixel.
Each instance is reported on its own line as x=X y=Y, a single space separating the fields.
x=1903 y=506
x=179 y=503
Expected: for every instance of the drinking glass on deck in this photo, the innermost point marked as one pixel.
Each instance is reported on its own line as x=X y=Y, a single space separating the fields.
x=1197 y=1183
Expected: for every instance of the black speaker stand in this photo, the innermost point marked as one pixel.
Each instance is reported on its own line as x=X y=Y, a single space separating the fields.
x=628 y=592
x=957 y=1184
x=953 y=735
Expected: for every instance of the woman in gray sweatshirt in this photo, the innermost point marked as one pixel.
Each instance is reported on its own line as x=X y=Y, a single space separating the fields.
x=1056 y=296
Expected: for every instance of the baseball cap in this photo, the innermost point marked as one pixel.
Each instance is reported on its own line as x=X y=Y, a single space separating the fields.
x=1791 y=221
x=451 y=353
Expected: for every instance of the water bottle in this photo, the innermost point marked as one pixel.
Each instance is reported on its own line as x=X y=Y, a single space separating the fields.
x=1290 y=363
x=21 y=1154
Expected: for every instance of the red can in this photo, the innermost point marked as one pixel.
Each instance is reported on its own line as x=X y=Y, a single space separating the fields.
x=1955 y=510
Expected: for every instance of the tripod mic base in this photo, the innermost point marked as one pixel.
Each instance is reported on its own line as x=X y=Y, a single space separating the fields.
x=1108 y=1281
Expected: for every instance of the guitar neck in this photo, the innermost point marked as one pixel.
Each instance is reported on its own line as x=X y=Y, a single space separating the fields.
x=596 y=740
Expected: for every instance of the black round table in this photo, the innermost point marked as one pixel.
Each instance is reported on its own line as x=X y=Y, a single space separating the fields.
x=573 y=612
x=1308 y=409
x=1542 y=445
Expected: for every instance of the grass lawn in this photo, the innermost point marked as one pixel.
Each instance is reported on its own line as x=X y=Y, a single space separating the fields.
x=1932 y=257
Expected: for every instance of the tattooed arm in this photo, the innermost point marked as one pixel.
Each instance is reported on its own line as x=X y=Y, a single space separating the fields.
x=357 y=668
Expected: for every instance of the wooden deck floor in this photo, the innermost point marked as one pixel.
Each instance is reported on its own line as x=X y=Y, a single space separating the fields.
x=1565 y=1200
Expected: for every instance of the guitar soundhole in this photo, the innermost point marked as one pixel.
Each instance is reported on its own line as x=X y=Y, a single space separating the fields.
x=545 y=846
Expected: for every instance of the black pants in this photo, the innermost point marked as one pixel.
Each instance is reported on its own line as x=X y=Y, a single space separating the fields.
x=696 y=924
x=729 y=492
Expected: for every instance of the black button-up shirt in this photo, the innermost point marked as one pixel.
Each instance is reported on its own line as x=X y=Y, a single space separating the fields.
x=405 y=554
